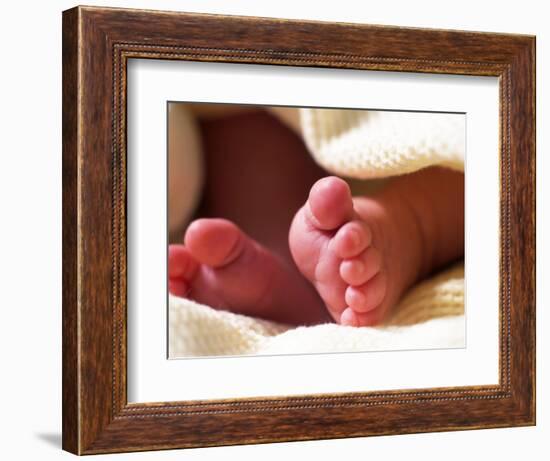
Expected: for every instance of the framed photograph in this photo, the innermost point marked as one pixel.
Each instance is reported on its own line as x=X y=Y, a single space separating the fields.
x=281 y=230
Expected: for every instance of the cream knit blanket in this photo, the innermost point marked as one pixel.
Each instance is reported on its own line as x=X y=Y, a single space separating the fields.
x=356 y=144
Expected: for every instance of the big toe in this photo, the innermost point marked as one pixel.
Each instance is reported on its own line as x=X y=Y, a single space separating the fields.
x=214 y=242
x=182 y=268
x=330 y=203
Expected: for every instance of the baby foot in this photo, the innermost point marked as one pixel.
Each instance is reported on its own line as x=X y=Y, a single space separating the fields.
x=348 y=248
x=220 y=266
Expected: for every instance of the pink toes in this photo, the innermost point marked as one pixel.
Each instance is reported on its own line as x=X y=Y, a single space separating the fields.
x=333 y=248
x=351 y=239
x=359 y=270
x=214 y=242
x=182 y=268
x=330 y=203
x=368 y=296
x=178 y=287
x=357 y=319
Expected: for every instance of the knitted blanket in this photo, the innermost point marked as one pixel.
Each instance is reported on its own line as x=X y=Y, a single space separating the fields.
x=362 y=145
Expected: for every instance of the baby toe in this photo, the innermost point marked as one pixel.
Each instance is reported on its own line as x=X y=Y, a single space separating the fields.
x=361 y=269
x=181 y=264
x=178 y=287
x=214 y=242
x=369 y=296
x=352 y=318
x=351 y=239
x=348 y=317
x=329 y=204
x=182 y=268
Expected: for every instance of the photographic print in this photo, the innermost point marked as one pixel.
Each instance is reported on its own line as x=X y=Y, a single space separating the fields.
x=313 y=230
x=281 y=230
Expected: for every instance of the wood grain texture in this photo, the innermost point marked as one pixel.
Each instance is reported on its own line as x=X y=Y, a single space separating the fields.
x=97 y=42
x=70 y=383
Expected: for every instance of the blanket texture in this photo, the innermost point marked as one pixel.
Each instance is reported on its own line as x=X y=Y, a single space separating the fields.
x=374 y=144
x=362 y=145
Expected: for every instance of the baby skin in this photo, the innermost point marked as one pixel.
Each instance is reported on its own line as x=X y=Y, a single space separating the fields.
x=357 y=256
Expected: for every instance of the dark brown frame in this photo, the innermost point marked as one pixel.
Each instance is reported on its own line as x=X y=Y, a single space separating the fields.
x=97 y=43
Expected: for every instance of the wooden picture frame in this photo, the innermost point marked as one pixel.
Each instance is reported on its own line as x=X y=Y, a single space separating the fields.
x=97 y=42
